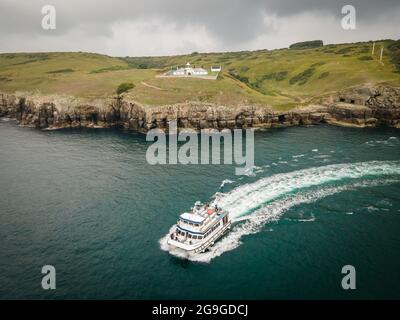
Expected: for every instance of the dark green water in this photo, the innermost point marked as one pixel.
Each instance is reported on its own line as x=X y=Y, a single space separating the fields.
x=88 y=203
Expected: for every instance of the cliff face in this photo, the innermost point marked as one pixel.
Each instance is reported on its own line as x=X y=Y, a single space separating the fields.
x=358 y=107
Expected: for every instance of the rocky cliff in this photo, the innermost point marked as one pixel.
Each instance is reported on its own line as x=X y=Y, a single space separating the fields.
x=367 y=106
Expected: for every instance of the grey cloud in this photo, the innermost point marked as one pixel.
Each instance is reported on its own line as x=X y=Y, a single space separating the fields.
x=232 y=22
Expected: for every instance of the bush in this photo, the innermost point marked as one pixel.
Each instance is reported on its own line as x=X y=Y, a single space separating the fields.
x=112 y=68
x=318 y=64
x=324 y=75
x=278 y=76
x=394 y=46
x=302 y=77
x=237 y=76
x=143 y=66
x=365 y=58
x=394 y=49
x=123 y=87
x=364 y=50
x=345 y=50
x=61 y=71
x=307 y=44
x=33 y=57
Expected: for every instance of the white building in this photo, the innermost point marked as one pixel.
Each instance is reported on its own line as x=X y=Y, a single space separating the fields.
x=188 y=70
x=216 y=69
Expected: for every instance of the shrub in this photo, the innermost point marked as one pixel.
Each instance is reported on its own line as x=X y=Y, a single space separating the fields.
x=61 y=71
x=324 y=75
x=278 y=76
x=307 y=44
x=112 y=68
x=237 y=76
x=4 y=79
x=318 y=64
x=394 y=49
x=302 y=77
x=33 y=57
x=345 y=50
x=123 y=87
x=143 y=66
x=365 y=58
x=364 y=50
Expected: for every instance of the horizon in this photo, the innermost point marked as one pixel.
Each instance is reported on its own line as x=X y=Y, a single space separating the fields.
x=191 y=53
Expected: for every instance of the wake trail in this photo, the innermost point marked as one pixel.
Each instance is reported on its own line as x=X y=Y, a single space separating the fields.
x=265 y=200
x=246 y=198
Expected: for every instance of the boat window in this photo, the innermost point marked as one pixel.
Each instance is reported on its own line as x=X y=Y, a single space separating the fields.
x=194 y=237
x=189 y=236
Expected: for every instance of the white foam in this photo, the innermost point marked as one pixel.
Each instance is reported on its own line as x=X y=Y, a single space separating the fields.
x=391 y=141
x=248 y=197
x=311 y=219
x=225 y=182
x=322 y=156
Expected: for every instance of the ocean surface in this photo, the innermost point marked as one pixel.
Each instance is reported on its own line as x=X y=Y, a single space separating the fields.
x=88 y=203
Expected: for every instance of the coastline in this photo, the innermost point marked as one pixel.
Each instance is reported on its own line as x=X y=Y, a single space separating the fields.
x=359 y=107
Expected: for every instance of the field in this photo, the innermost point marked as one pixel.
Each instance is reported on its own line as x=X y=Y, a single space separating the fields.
x=282 y=78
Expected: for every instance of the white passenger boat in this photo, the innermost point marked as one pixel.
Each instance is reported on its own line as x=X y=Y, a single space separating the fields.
x=197 y=230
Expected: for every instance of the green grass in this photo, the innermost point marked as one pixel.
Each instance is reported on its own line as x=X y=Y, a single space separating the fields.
x=282 y=78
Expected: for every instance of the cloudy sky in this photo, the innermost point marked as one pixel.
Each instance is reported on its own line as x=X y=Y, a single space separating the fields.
x=165 y=27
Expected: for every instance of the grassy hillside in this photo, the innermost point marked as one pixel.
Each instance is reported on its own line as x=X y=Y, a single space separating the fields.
x=282 y=78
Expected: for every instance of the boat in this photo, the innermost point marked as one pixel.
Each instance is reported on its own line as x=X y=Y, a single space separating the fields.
x=199 y=229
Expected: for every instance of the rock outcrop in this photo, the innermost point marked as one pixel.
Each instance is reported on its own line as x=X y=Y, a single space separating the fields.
x=367 y=106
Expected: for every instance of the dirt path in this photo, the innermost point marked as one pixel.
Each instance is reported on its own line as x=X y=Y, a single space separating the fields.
x=150 y=86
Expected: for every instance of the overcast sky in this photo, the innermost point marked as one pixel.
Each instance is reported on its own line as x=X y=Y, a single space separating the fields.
x=165 y=27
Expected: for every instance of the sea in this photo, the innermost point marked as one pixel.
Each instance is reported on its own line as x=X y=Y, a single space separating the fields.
x=87 y=202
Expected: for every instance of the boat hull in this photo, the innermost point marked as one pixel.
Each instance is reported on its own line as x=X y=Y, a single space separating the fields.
x=203 y=245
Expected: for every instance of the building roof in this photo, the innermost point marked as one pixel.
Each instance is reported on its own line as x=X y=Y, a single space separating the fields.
x=194 y=218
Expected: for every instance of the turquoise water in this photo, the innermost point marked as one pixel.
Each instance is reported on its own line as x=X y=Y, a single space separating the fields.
x=87 y=202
